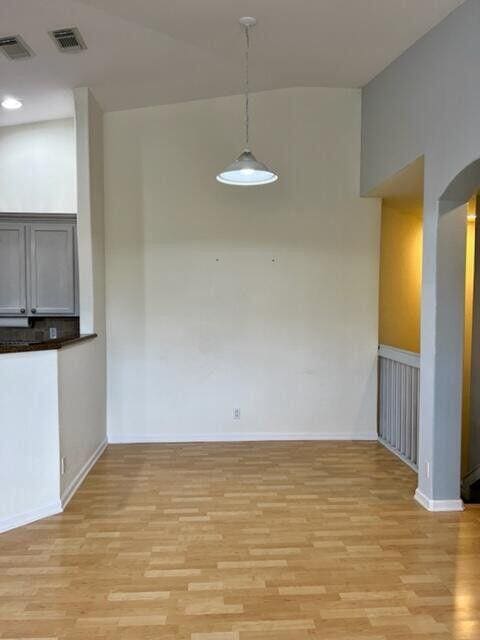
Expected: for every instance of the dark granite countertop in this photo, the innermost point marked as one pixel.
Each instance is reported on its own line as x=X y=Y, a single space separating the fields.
x=19 y=346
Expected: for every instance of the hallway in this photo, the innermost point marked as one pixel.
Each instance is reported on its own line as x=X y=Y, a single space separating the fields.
x=242 y=542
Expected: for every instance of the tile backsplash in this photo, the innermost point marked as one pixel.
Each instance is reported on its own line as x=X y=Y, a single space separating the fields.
x=39 y=331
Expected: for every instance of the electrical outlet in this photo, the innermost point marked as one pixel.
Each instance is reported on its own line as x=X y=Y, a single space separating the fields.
x=52 y=332
x=63 y=465
x=236 y=414
x=427 y=470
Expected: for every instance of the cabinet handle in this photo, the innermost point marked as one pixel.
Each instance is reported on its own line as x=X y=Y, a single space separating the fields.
x=34 y=311
x=22 y=310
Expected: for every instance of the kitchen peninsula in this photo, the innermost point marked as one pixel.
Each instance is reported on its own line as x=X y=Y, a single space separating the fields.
x=46 y=392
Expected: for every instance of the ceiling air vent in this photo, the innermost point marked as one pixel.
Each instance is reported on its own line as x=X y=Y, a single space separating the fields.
x=15 y=48
x=69 y=40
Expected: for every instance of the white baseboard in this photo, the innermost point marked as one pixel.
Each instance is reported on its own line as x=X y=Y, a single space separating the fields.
x=30 y=516
x=53 y=509
x=71 y=488
x=438 y=505
x=164 y=438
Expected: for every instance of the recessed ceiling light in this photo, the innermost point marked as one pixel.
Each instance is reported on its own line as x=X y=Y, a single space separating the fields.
x=11 y=103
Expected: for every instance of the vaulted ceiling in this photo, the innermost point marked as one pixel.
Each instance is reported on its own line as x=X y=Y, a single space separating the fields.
x=146 y=52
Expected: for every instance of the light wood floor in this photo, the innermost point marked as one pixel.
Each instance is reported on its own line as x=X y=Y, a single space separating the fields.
x=248 y=541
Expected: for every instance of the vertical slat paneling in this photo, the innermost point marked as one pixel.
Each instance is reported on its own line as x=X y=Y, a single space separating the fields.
x=395 y=405
x=380 y=399
x=416 y=401
x=398 y=398
x=408 y=415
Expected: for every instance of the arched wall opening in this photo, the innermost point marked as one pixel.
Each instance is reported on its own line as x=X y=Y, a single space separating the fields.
x=402 y=286
x=458 y=309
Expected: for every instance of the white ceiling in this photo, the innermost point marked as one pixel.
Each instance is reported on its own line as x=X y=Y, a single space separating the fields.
x=145 y=52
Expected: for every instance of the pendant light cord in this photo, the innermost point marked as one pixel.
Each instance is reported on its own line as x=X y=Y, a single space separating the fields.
x=247 y=89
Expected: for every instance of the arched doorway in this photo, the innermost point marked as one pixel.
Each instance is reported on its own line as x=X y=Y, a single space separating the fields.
x=442 y=344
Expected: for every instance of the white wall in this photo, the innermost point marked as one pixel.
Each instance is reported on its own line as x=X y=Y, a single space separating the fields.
x=90 y=218
x=82 y=368
x=37 y=168
x=81 y=410
x=219 y=297
x=29 y=472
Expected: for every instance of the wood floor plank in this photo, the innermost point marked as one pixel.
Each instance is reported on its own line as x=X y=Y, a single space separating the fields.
x=248 y=541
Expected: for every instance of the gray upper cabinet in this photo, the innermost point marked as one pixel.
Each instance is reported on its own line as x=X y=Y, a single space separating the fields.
x=52 y=269
x=38 y=266
x=13 y=293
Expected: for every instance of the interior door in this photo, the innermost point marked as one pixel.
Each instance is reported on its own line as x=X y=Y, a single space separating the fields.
x=52 y=269
x=13 y=293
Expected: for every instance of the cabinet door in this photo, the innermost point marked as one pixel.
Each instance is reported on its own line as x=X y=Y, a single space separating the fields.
x=12 y=269
x=52 y=269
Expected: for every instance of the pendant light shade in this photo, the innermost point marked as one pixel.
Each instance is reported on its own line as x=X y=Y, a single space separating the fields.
x=247 y=171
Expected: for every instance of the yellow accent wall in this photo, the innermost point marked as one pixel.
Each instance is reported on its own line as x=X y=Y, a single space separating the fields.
x=400 y=278
x=400 y=292
x=467 y=359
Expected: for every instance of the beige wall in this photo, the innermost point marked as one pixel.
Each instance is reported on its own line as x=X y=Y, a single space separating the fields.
x=259 y=298
x=400 y=277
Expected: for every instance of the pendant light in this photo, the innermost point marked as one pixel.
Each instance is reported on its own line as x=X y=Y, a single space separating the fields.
x=247 y=171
